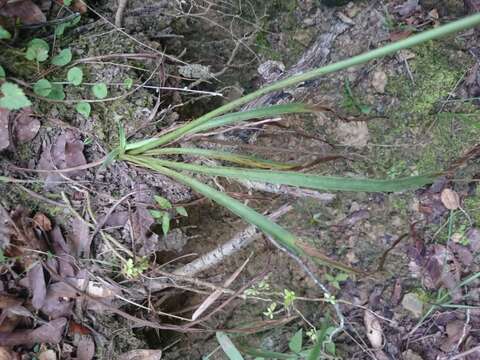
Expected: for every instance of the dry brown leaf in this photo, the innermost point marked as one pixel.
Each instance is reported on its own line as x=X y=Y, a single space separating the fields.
x=65 y=152
x=450 y=199
x=374 y=329
x=407 y=8
x=141 y=355
x=4 y=132
x=25 y=10
x=51 y=333
x=7 y=301
x=7 y=354
x=81 y=239
x=25 y=126
x=85 y=348
x=142 y=221
x=57 y=304
x=36 y=279
x=43 y=222
x=60 y=248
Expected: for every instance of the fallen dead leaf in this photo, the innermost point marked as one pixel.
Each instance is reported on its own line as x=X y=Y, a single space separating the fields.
x=36 y=279
x=43 y=222
x=141 y=355
x=456 y=330
x=379 y=81
x=407 y=8
x=374 y=329
x=56 y=304
x=25 y=10
x=473 y=236
x=61 y=249
x=399 y=35
x=81 y=238
x=450 y=199
x=4 y=132
x=142 y=222
x=25 y=126
x=65 y=152
x=51 y=333
x=75 y=328
x=7 y=354
x=85 y=348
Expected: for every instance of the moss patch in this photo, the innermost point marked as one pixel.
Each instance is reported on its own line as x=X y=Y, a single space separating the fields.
x=423 y=133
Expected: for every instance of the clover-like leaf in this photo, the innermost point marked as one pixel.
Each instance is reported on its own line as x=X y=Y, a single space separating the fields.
x=295 y=343
x=128 y=83
x=84 y=108
x=57 y=92
x=100 y=91
x=42 y=87
x=63 y=57
x=37 y=49
x=75 y=76
x=60 y=28
x=2 y=73
x=4 y=34
x=13 y=97
x=67 y=2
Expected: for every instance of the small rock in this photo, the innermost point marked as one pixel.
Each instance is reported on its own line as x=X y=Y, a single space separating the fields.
x=410 y=355
x=379 y=81
x=450 y=199
x=353 y=134
x=412 y=303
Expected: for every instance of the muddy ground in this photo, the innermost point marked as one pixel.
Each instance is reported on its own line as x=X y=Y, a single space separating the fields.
x=413 y=113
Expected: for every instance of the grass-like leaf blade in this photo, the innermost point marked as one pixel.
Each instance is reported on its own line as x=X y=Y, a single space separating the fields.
x=228 y=346
x=310 y=181
x=250 y=161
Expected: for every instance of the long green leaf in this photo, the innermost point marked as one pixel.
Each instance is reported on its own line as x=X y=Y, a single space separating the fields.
x=251 y=161
x=229 y=119
x=453 y=27
x=228 y=346
x=284 y=237
x=261 y=113
x=279 y=234
x=302 y=180
x=266 y=354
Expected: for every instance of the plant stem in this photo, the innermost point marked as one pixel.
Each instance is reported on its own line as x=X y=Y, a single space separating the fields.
x=454 y=27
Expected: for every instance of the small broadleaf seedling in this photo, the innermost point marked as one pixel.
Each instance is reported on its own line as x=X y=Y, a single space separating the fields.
x=75 y=76
x=100 y=90
x=83 y=108
x=63 y=58
x=37 y=50
x=42 y=87
x=13 y=97
x=4 y=34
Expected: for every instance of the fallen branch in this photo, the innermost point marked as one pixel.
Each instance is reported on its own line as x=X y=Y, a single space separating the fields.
x=216 y=256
